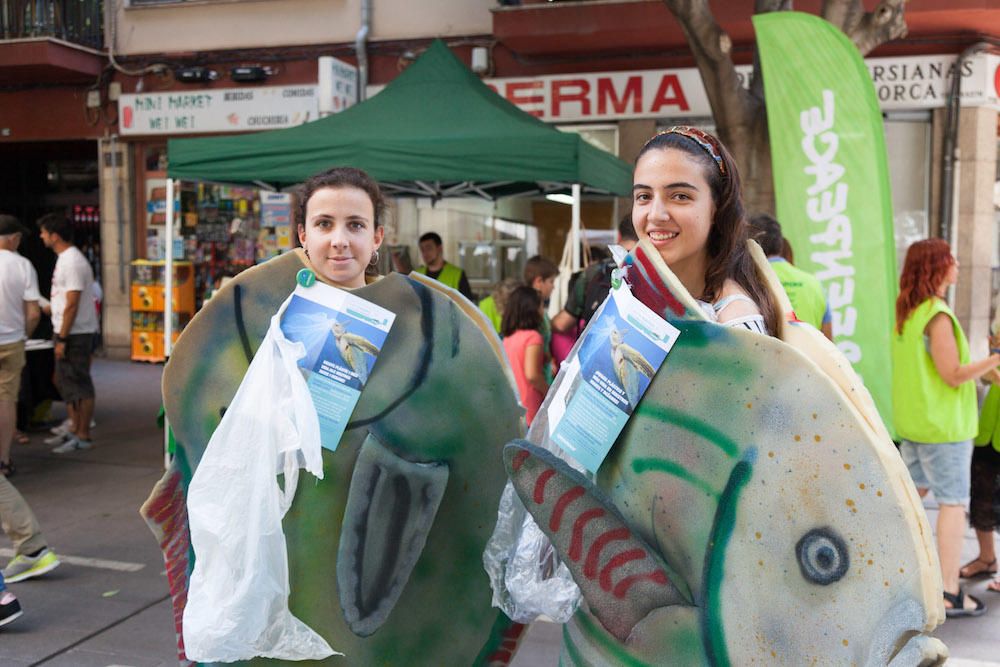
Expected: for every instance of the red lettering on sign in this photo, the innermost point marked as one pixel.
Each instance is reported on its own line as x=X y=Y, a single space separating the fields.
x=514 y=95
x=606 y=94
x=581 y=95
x=996 y=80
x=670 y=94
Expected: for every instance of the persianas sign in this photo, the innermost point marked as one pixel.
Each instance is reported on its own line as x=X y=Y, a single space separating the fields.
x=831 y=182
x=919 y=82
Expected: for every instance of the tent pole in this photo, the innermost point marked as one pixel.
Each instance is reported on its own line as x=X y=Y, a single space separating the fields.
x=168 y=273
x=168 y=302
x=575 y=228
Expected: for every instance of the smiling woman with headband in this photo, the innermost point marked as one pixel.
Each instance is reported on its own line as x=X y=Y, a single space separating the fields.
x=687 y=201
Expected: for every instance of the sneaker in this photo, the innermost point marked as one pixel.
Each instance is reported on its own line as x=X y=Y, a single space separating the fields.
x=72 y=444
x=62 y=429
x=25 y=567
x=10 y=608
x=58 y=439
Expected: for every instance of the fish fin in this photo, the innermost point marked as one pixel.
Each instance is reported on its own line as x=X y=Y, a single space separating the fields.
x=620 y=575
x=505 y=639
x=656 y=286
x=363 y=344
x=636 y=359
x=165 y=512
x=817 y=348
x=389 y=512
x=667 y=636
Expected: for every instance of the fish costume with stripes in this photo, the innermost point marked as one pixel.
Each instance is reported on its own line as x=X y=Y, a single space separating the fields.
x=753 y=511
x=384 y=554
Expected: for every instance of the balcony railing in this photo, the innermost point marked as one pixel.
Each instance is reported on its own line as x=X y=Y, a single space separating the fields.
x=77 y=21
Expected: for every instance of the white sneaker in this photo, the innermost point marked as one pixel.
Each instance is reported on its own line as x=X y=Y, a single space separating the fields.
x=58 y=439
x=71 y=445
x=65 y=428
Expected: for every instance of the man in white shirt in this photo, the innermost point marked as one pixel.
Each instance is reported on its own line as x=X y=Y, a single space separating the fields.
x=19 y=314
x=74 y=323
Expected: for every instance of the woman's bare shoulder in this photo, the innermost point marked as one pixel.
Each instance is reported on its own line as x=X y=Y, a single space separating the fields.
x=735 y=302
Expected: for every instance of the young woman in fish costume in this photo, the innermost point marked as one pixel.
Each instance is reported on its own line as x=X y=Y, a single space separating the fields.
x=754 y=509
x=381 y=552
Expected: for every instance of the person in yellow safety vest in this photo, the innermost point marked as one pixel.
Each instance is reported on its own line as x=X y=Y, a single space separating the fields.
x=803 y=289
x=436 y=267
x=934 y=403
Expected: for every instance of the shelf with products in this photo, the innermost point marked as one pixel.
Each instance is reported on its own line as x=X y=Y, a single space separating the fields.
x=147 y=301
x=221 y=229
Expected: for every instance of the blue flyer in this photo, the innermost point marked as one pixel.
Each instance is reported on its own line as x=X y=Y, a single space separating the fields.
x=343 y=335
x=615 y=361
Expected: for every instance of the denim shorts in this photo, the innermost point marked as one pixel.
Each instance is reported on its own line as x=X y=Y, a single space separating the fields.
x=943 y=467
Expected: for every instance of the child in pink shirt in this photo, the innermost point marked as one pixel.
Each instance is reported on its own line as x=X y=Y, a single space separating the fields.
x=522 y=317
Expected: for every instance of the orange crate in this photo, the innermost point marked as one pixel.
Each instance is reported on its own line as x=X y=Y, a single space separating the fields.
x=148 y=345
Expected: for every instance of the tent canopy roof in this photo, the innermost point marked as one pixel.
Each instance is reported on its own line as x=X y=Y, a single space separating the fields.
x=436 y=130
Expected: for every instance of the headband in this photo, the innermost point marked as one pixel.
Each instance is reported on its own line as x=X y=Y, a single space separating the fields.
x=707 y=142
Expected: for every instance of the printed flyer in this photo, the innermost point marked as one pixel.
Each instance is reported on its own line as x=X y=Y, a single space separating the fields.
x=343 y=335
x=619 y=353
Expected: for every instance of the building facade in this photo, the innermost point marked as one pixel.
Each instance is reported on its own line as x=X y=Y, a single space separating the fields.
x=90 y=92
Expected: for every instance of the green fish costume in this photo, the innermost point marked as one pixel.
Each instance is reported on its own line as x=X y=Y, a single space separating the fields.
x=384 y=554
x=752 y=511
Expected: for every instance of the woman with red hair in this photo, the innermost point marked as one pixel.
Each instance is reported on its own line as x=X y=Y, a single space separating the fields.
x=934 y=400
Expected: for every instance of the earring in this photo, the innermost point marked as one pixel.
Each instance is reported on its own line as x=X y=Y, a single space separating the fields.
x=306 y=251
x=374 y=260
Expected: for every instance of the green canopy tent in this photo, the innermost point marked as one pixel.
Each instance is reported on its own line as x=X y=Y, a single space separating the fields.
x=435 y=131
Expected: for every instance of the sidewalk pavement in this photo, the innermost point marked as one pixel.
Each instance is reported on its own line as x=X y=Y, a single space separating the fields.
x=108 y=605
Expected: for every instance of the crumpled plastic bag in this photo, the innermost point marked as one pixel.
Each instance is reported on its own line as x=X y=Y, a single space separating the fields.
x=528 y=577
x=237 y=604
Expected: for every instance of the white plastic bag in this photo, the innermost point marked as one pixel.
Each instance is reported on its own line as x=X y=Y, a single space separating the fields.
x=528 y=577
x=237 y=605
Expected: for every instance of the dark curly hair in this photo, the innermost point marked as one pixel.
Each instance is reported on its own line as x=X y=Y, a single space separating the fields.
x=340 y=177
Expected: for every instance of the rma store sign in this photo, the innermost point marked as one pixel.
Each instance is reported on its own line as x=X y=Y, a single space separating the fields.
x=920 y=82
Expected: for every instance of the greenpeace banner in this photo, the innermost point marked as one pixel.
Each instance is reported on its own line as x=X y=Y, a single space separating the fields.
x=832 y=184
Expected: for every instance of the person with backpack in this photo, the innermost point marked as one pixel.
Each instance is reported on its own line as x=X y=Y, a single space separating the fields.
x=590 y=287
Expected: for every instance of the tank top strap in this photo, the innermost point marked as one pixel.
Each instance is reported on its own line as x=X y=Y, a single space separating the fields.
x=719 y=305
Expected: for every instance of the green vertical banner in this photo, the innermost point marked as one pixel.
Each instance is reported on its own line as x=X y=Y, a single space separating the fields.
x=831 y=183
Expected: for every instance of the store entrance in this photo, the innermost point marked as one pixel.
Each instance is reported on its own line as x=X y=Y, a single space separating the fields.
x=53 y=177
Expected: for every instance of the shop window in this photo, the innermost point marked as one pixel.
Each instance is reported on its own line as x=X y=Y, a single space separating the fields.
x=908 y=149
x=604 y=137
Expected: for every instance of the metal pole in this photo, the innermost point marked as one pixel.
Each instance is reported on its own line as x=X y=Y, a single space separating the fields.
x=168 y=274
x=575 y=228
x=168 y=303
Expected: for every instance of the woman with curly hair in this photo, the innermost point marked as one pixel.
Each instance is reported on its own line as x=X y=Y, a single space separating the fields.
x=934 y=400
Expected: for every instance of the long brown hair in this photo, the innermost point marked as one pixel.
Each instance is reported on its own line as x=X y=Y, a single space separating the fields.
x=523 y=310
x=728 y=255
x=926 y=266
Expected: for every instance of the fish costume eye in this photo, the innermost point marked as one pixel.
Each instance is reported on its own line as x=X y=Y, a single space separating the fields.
x=822 y=556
